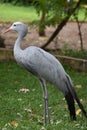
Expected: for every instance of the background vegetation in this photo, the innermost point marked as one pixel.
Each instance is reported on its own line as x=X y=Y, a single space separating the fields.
x=51 y=12
x=17 y=13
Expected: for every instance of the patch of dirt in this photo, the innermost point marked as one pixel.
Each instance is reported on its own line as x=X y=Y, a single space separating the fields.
x=68 y=37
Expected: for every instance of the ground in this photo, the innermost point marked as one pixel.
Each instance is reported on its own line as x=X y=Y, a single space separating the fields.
x=67 y=38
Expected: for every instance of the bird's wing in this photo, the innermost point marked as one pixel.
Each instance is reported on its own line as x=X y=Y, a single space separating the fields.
x=43 y=64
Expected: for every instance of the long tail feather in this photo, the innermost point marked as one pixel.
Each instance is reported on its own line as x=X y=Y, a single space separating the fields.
x=74 y=94
x=71 y=105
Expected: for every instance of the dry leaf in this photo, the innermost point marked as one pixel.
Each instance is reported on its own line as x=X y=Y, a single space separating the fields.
x=33 y=116
x=40 y=120
x=78 y=86
x=28 y=110
x=77 y=124
x=4 y=128
x=7 y=124
x=24 y=90
x=19 y=114
x=58 y=122
x=43 y=128
x=43 y=38
x=14 y=123
x=78 y=111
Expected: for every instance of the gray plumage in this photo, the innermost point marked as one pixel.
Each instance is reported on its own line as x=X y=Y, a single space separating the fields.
x=47 y=69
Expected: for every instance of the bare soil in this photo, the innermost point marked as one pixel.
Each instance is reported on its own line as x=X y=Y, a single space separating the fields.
x=68 y=38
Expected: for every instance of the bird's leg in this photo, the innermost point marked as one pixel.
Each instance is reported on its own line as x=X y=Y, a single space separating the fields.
x=45 y=96
x=46 y=110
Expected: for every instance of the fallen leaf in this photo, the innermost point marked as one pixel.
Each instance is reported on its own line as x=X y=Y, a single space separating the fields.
x=58 y=122
x=14 y=123
x=40 y=120
x=24 y=90
x=78 y=111
x=43 y=128
x=19 y=114
x=7 y=124
x=33 y=116
x=4 y=128
x=77 y=124
x=28 y=110
x=43 y=38
x=78 y=86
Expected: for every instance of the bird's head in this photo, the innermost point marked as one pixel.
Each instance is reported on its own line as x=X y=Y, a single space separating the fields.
x=19 y=27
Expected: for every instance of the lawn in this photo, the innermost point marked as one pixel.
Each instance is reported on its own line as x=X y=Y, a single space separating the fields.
x=10 y=13
x=21 y=101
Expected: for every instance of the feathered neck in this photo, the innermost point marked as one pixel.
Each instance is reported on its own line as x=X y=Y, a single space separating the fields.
x=17 y=46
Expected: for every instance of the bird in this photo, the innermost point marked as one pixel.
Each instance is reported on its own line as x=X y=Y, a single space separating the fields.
x=47 y=68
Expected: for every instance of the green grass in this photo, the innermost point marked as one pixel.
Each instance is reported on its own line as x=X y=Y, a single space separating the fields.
x=26 y=109
x=10 y=13
x=73 y=53
x=77 y=53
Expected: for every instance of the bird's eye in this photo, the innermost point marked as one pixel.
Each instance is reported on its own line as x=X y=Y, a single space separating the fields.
x=14 y=24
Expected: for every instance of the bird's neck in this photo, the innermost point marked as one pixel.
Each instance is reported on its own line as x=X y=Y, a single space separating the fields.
x=17 y=46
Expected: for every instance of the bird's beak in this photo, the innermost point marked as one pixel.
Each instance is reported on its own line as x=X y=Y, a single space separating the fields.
x=7 y=30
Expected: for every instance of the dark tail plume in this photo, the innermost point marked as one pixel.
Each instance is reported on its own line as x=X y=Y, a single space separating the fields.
x=74 y=96
x=71 y=105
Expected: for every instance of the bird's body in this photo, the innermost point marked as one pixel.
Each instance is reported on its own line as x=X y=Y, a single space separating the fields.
x=42 y=64
x=46 y=68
